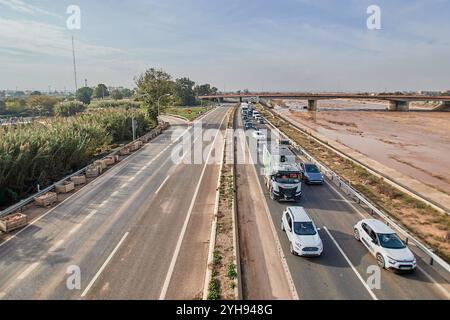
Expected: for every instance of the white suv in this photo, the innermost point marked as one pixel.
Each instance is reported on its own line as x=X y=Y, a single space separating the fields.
x=303 y=236
x=384 y=244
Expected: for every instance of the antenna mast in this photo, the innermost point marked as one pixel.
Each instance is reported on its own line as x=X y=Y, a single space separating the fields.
x=74 y=65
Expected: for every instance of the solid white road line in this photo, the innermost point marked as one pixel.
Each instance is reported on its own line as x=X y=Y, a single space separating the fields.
x=437 y=284
x=27 y=271
x=162 y=184
x=287 y=271
x=99 y=272
x=186 y=221
x=374 y=297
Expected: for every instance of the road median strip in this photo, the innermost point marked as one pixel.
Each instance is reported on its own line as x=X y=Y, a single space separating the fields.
x=222 y=278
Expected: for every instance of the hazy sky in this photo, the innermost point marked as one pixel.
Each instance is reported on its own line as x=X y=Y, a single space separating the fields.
x=233 y=44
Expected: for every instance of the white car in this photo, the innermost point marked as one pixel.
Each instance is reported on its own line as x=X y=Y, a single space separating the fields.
x=258 y=135
x=384 y=244
x=303 y=236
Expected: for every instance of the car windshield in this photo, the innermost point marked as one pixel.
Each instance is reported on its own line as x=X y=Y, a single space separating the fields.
x=311 y=168
x=304 y=228
x=292 y=177
x=390 y=241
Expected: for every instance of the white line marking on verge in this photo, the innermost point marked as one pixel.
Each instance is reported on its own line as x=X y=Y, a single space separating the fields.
x=162 y=184
x=374 y=297
x=437 y=284
x=186 y=221
x=287 y=272
x=27 y=271
x=104 y=265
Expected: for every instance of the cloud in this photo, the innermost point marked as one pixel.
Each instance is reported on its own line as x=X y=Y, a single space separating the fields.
x=25 y=37
x=23 y=7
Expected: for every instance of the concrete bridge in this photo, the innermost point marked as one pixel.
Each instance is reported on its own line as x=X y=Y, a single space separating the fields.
x=397 y=102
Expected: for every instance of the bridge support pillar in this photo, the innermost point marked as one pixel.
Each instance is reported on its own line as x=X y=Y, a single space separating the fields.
x=312 y=105
x=398 y=105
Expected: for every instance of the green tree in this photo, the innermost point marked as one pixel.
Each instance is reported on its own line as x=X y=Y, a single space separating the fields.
x=116 y=94
x=15 y=106
x=41 y=104
x=184 y=91
x=2 y=107
x=152 y=86
x=101 y=91
x=35 y=93
x=84 y=95
x=69 y=108
x=205 y=89
x=127 y=93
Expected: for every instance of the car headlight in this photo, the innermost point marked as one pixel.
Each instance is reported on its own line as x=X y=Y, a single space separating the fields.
x=391 y=260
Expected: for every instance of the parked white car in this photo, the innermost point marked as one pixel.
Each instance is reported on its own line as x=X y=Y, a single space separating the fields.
x=303 y=236
x=385 y=245
x=258 y=135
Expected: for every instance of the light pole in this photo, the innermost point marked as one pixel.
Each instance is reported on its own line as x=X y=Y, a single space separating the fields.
x=159 y=99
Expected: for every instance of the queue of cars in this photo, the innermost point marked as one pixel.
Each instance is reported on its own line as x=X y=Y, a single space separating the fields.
x=304 y=239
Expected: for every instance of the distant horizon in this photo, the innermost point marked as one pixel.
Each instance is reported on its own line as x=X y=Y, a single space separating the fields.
x=278 y=46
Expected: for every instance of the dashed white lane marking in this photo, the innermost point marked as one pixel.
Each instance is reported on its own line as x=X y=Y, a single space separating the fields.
x=104 y=265
x=124 y=186
x=186 y=221
x=162 y=184
x=27 y=271
x=90 y=215
x=374 y=297
x=115 y=193
x=76 y=228
x=102 y=204
x=56 y=246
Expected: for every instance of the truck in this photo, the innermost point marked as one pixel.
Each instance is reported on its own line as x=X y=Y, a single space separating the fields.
x=282 y=174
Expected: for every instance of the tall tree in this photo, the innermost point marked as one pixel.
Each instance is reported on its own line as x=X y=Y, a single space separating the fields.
x=205 y=89
x=116 y=94
x=101 y=91
x=154 y=85
x=184 y=91
x=127 y=93
x=84 y=95
x=2 y=107
x=41 y=104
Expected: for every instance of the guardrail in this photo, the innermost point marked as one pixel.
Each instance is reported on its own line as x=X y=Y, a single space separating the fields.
x=18 y=207
x=361 y=200
x=388 y=179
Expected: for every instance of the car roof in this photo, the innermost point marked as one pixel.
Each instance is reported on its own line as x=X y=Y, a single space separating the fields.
x=377 y=226
x=299 y=214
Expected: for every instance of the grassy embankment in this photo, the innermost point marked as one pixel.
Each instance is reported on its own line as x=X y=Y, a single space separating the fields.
x=428 y=224
x=190 y=113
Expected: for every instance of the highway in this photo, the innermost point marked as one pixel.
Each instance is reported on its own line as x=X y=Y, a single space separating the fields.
x=136 y=232
x=342 y=271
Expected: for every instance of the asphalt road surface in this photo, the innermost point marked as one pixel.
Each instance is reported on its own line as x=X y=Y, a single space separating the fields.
x=342 y=272
x=140 y=231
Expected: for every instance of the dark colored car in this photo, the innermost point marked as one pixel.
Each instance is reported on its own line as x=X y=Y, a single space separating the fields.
x=312 y=174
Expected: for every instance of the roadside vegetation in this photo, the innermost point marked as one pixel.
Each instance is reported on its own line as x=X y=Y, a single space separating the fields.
x=428 y=224
x=224 y=270
x=44 y=151
x=189 y=113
